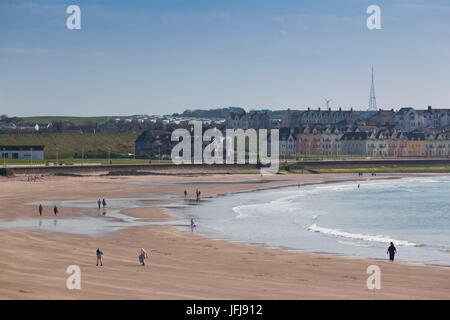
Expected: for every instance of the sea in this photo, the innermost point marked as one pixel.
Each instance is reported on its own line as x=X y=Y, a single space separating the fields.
x=337 y=218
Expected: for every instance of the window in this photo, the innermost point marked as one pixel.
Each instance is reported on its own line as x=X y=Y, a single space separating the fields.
x=15 y=155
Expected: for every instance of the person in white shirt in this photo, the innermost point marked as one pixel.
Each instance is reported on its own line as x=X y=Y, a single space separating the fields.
x=143 y=256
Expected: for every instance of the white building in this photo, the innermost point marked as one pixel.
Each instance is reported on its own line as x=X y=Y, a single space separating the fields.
x=22 y=152
x=288 y=142
x=331 y=140
x=409 y=119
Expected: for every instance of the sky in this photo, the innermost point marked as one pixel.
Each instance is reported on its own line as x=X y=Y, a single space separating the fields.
x=165 y=56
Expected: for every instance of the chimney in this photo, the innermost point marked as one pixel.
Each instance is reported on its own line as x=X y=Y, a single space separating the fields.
x=319 y=108
x=340 y=109
x=351 y=109
x=309 y=108
x=329 y=109
x=429 y=108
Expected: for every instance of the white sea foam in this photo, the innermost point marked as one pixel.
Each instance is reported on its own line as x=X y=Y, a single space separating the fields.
x=358 y=236
x=239 y=212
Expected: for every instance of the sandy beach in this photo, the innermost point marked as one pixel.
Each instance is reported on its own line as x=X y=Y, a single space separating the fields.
x=182 y=265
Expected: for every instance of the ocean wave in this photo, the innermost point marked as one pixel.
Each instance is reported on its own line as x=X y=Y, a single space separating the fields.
x=358 y=236
x=240 y=212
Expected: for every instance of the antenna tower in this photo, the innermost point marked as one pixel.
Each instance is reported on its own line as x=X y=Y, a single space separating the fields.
x=372 y=99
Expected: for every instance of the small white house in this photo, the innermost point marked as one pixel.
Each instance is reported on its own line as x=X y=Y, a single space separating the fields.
x=22 y=152
x=288 y=142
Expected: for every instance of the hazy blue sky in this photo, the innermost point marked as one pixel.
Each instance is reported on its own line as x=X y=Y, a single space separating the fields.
x=164 y=56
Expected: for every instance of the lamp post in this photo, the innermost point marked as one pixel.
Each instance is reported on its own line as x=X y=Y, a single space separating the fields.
x=57 y=154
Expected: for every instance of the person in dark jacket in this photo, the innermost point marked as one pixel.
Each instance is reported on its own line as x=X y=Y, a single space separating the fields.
x=40 y=209
x=99 y=202
x=104 y=203
x=391 y=251
x=99 y=254
x=55 y=210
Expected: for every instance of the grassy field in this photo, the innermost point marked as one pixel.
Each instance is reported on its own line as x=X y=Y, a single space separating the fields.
x=72 y=145
x=69 y=161
x=382 y=169
x=298 y=157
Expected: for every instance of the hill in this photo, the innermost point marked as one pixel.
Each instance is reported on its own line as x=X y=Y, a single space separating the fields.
x=72 y=145
x=223 y=113
x=220 y=113
x=48 y=119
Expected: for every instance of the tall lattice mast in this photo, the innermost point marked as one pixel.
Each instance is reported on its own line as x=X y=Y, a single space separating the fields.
x=372 y=99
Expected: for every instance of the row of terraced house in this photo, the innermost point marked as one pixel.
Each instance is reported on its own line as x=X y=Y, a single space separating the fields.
x=384 y=133
x=372 y=143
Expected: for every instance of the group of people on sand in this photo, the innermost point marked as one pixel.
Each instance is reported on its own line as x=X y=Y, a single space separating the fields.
x=197 y=194
x=41 y=210
x=101 y=202
x=142 y=256
x=33 y=178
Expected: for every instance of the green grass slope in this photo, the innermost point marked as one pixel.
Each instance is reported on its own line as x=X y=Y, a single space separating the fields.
x=70 y=144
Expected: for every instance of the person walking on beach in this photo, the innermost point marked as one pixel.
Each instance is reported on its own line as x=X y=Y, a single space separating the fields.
x=197 y=193
x=193 y=225
x=99 y=253
x=185 y=193
x=392 y=251
x=358 y=185
x=143 y=256
x=40 y=209
x=55 y=210
x=99 y=202
x=104 y=203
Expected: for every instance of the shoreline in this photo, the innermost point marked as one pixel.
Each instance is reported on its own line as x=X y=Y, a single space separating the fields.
x=287 y=249
x=198 y=267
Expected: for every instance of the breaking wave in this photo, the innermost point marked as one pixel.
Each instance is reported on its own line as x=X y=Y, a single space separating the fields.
x=358 y=236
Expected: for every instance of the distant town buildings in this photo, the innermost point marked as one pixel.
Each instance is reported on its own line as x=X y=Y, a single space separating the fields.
x=383 y=133
x=244 y=120
x=406 y=132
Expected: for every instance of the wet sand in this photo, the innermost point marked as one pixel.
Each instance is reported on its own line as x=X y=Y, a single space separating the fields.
x=182 y=265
